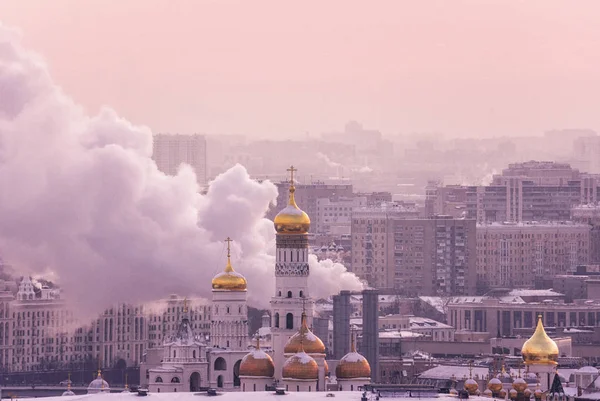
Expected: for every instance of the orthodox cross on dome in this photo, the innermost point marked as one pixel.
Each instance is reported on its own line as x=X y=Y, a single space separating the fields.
x=228 y=240
x=470 y=369
x=185 y=305
x=292 y=170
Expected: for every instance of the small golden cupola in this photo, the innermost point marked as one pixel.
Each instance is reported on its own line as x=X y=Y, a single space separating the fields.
x=257 y=363
x=470 y=384
x=229 y=279
x=353 y=365
x=292 y=220
x=304 y=340
x=540 y=349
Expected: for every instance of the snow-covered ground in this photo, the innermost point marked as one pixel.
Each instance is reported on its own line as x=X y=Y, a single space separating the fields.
x=240 y=396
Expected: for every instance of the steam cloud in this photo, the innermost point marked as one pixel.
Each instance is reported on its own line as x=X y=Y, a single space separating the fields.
x=82 y=200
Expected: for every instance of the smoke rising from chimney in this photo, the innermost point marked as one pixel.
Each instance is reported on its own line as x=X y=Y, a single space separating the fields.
x=82 y=199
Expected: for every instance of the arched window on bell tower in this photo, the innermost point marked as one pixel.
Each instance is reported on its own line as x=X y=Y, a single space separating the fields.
x=289 y=321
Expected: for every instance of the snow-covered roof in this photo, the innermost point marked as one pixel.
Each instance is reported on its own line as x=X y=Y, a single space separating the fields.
x=424 y=322
x=587 y=369
x=535 y=293
x=400 y=334
x=440 y=303
x=447 y=372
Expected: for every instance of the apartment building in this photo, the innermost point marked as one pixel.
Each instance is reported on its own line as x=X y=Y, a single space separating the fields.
x=531 y=191
x=590 y=214
x=513 y=255
x=335 y=217
x=394 y=249
x=370 y=247
x=172 y=150
x=38 y=331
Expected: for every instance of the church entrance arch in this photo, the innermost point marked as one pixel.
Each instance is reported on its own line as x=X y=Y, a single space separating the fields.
x=236 y=373
x=195 y=381
x=220 y=381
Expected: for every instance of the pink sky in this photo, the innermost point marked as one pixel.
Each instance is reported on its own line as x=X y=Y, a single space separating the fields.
x=280 y=67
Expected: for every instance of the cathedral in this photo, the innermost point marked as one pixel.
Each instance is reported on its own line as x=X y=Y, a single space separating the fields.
x=230 y=361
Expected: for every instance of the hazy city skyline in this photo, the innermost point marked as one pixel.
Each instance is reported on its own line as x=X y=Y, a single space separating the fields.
x=463 y=68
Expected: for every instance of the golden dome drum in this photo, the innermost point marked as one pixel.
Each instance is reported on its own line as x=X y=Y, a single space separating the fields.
x=304 y=340
x=292 y=220
x=257 y=364
x=353 y=365
x=519 y=384
x=229 y=279
x=300 y=366
x=471 y=386
x=540 y=349
x=495 y=385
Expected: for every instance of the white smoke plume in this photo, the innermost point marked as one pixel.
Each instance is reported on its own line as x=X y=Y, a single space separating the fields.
x=327 y=160
x=82 y=200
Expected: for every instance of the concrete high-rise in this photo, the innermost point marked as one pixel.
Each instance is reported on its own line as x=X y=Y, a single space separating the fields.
x=370 y=334
x=531 y=191
x=415 y=256
x=171 y=150
x=527 y=254
x=342 y=309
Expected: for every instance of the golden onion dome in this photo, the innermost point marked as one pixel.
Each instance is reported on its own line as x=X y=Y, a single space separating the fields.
x=304 y=340
x=229 y=279
x=471 y=386
x=520 y=385
x=487 y=392
x=527 y=393
x=300 y=366
x=353 y=365
x=512 y=393
x=291 y=220
x=538 y=393
x=257 y=363
x=540 y=349
x=495 y=385
x=502 y=393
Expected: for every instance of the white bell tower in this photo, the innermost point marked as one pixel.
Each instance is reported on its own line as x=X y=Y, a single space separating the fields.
x=291 y=276
x=229 y=316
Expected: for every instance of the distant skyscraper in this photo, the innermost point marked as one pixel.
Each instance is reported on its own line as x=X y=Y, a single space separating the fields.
x=170 y=151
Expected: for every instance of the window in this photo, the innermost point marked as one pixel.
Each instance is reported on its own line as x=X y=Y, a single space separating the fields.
x=289 y=321
x=289 y=294
x=175 y=380
x=158 y=379
x=277 y=320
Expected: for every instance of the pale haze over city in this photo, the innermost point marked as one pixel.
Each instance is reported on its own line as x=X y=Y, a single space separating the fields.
x=270 y=69
x=345 y=199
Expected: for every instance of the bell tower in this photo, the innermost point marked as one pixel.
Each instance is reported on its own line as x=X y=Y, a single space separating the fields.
x=291 y=276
